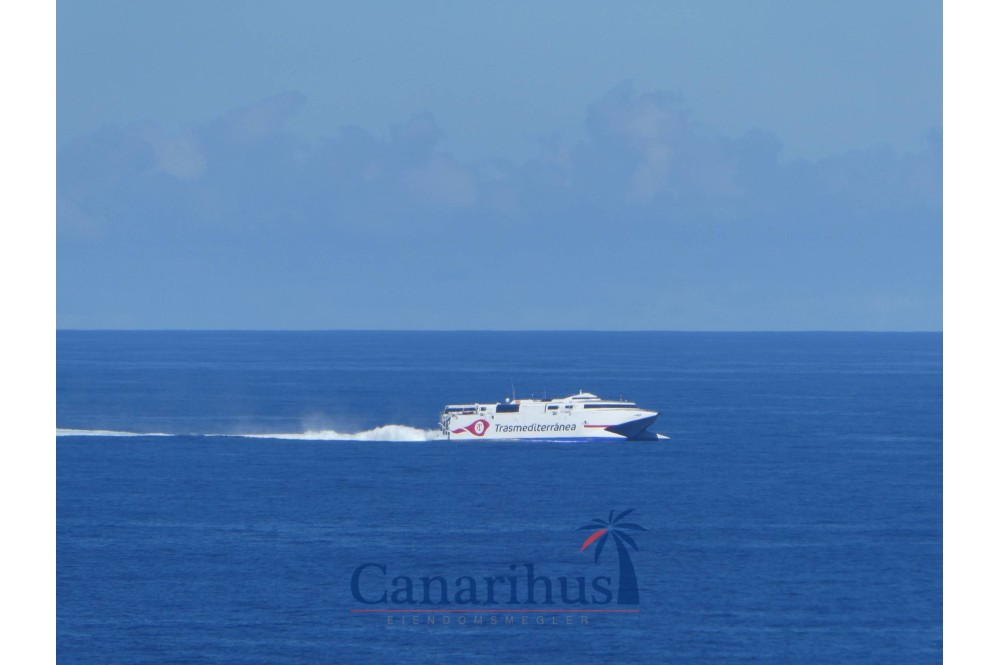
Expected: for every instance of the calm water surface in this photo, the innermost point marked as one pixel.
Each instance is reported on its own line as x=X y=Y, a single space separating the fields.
x=794 y=516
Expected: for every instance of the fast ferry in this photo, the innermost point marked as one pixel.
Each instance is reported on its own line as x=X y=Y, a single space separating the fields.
x=582 y=417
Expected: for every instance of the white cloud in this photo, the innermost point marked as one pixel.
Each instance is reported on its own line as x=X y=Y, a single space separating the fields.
x=257 y=121
x=441 y=181
x=180 y=157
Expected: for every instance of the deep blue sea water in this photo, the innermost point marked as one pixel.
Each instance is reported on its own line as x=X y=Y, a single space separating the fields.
x=793 y=517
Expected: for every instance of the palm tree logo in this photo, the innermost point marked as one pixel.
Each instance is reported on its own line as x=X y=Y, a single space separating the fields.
x=628 y=587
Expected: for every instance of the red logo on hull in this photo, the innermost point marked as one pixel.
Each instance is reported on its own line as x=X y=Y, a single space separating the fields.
x=477 y=428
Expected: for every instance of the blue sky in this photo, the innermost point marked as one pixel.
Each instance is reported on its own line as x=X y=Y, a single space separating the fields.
x=661 y=165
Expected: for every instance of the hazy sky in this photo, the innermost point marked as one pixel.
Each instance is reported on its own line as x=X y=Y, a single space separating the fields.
x=661 y=165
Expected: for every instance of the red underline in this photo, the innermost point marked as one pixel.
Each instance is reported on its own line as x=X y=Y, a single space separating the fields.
x=493 y=611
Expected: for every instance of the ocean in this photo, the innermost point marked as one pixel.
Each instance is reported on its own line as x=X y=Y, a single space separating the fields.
x=235 y=497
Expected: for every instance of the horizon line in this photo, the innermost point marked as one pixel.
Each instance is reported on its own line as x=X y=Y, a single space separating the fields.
x=517 y=330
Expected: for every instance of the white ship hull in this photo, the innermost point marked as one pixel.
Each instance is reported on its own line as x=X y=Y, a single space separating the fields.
x=583 y=417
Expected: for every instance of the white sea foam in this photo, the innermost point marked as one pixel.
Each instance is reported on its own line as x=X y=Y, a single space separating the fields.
x=60 y=431
x=383 y=433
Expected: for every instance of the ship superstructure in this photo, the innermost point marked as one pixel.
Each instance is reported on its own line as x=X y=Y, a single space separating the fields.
x=582 y=417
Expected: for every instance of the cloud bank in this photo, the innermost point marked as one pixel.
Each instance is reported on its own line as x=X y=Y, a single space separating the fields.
x=653 y=221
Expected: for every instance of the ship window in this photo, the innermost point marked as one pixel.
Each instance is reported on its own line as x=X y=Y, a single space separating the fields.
x=508 y=408
x=610 y=406
x=553 y=408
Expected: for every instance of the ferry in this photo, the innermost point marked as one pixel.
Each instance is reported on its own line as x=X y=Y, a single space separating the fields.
x=581 y=417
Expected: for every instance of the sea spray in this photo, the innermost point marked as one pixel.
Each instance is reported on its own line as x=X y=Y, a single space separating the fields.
x=383 y=433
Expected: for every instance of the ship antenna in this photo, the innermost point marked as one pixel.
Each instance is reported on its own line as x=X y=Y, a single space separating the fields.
x=513 y=395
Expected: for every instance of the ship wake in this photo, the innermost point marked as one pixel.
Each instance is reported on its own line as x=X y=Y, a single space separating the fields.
x=382 y=433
